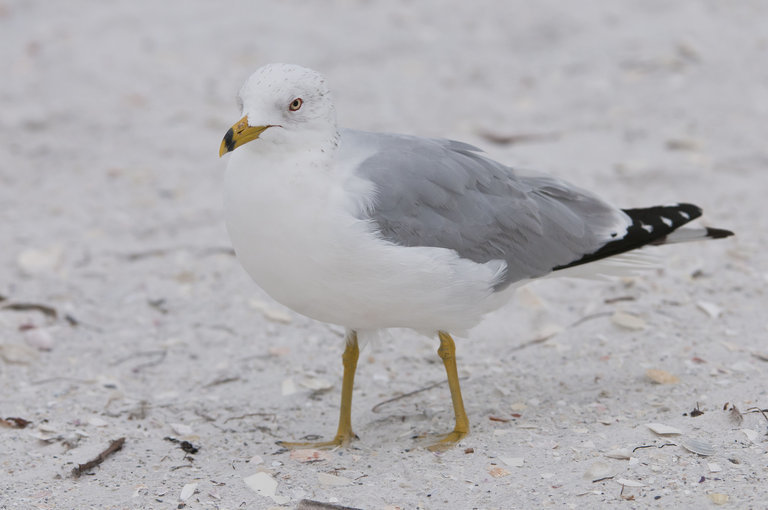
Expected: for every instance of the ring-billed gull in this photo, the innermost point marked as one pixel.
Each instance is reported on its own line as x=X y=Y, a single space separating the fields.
x=373 y=230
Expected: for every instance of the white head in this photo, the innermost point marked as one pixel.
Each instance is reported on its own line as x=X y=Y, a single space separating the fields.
x=283 y=104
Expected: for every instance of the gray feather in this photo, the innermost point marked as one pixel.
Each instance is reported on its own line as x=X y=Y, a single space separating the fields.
x=442 y=193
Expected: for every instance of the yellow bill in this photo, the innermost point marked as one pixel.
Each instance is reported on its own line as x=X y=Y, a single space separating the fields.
x=239 y=134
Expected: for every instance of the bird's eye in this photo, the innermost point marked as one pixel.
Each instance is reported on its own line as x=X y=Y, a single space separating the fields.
x=295 y=104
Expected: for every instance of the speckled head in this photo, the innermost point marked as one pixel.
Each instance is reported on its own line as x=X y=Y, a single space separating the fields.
x=280 y=102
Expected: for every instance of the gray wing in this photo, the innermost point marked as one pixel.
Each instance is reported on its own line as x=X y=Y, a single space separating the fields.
x=444 y=194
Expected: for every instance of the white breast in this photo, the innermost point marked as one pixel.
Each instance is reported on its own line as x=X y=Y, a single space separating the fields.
x=294 y=227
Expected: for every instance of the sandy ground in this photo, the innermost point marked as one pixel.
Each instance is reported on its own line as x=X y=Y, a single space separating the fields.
x=110 y=195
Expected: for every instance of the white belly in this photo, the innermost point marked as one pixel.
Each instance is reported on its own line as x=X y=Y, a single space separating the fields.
x=297 y=235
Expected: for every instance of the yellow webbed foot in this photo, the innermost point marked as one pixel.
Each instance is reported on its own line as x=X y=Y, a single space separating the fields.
x=447 y=353
x=447 y=441
x=344 y=433
x=340 y=440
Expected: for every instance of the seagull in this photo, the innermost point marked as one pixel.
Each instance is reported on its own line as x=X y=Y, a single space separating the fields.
x=375 y=230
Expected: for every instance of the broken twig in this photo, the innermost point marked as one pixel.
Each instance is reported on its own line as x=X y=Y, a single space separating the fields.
x=518 y=138
x=14 y=423
x=46 y=310
x=113 y=447
x=764 y=412
x=378 y=406
x=652 y=446
x=269 y=415
x=222 y=380
x=308 y=504
x=161 y=354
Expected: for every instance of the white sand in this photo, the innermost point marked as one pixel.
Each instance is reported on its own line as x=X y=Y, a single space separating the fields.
x=110 y=195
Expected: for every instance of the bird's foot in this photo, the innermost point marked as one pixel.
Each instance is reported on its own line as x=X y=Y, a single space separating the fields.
x=340 y=440
x=445 y=441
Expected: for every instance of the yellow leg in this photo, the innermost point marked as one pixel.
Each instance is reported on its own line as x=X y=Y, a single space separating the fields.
x=344 y=433
x=447 y=352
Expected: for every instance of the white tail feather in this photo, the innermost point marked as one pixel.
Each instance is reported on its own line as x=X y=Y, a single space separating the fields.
x=624 y=264
x=684 y=235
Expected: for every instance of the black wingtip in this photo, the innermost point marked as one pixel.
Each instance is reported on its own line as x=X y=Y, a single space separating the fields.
x=650 y=225
x=718 y=233
x=692 y=210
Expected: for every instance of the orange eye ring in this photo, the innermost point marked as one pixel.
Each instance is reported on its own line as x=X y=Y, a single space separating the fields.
x=295 y=104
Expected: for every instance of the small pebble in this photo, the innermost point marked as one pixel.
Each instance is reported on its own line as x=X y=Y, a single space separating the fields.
x=512 y=461
x=95 y=421
x=35 y=261
x=264 y=484
x=628 y=321
x=316 y=383
x=663 y=430
x=710 y=309
x=288 y=387
x=619 y=453
x=329 y=480
x=751 y=434
x=39 y=338
x=181 y=429
x=187 y=491
x=661 y=376
x=598 y=470
x=18 y=354
x=629 y=483
x=717 y=498
x=498 y=472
